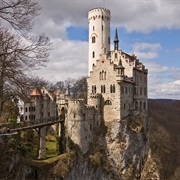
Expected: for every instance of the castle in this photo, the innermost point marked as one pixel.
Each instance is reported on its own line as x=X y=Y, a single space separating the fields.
x=117 y=88
x=117 y=85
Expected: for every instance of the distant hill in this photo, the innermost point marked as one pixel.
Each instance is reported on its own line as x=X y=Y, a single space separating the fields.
x=164 y=126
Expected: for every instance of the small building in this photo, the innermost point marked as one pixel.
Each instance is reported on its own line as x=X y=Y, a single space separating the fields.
x=41 y=106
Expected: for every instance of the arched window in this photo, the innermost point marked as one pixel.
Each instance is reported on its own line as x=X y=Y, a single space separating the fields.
x=103 y=88
x=93 y=39
x=94 y=89
x=100 y=76
x=105 y=75
x=93 y=54
x=108 y=102
x=111 y=88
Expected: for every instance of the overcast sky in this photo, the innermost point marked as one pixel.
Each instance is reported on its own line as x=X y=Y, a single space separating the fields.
x=150 y=28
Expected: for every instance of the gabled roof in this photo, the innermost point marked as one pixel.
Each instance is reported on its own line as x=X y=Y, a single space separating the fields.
x=36 y=92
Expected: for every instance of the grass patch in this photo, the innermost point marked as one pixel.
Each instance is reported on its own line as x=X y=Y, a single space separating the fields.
x=51 y=149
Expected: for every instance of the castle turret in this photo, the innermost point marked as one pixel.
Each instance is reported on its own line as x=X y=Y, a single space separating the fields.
x=99 y=34
x=116 y=41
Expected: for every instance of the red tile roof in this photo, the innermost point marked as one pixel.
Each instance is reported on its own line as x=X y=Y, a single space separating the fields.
x=36 y=92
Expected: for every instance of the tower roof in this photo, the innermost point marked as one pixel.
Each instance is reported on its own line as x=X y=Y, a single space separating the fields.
x=36 y=92
x=120 y=65
x=116 y=37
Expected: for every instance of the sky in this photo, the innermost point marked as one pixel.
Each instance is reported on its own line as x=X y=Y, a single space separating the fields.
x=149 y=28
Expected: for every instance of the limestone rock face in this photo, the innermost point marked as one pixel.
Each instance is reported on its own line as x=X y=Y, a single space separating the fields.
x=119 y=151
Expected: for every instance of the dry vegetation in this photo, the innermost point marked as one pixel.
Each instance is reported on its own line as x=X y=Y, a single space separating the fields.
x=164 y=124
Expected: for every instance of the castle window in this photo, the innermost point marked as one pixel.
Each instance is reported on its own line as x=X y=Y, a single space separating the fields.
x=113 y=88
x=124 y=106
x=102 y=28
x=103 y=88
x=115 y=55
x=110 y=88
x=26 y=109
x=108 y=102
x=144 y=104
x=93 y=28
x=25 y=117
x=100 y=76
x=93 y=54
x=93 y=39
x=93 y=89
x=105 y=75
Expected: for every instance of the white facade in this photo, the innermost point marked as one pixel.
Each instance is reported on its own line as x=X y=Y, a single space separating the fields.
x=99 y=33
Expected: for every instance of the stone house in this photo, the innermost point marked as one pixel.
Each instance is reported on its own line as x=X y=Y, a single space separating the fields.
x=41 y=106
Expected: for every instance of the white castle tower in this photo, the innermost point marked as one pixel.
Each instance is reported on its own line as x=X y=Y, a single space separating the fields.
x=99 y=34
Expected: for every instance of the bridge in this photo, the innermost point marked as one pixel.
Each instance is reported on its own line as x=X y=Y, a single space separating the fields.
x=34 y=126
x=39 y=127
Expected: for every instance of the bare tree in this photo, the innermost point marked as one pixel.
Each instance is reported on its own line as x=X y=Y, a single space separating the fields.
x=16 y=59
x=19 y=13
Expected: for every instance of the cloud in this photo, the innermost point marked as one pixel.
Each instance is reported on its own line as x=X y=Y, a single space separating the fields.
x=140 y=16
x=146 y=50
x=166 y=90
x=68 y=59
x=145 y=16
x=162 y=81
